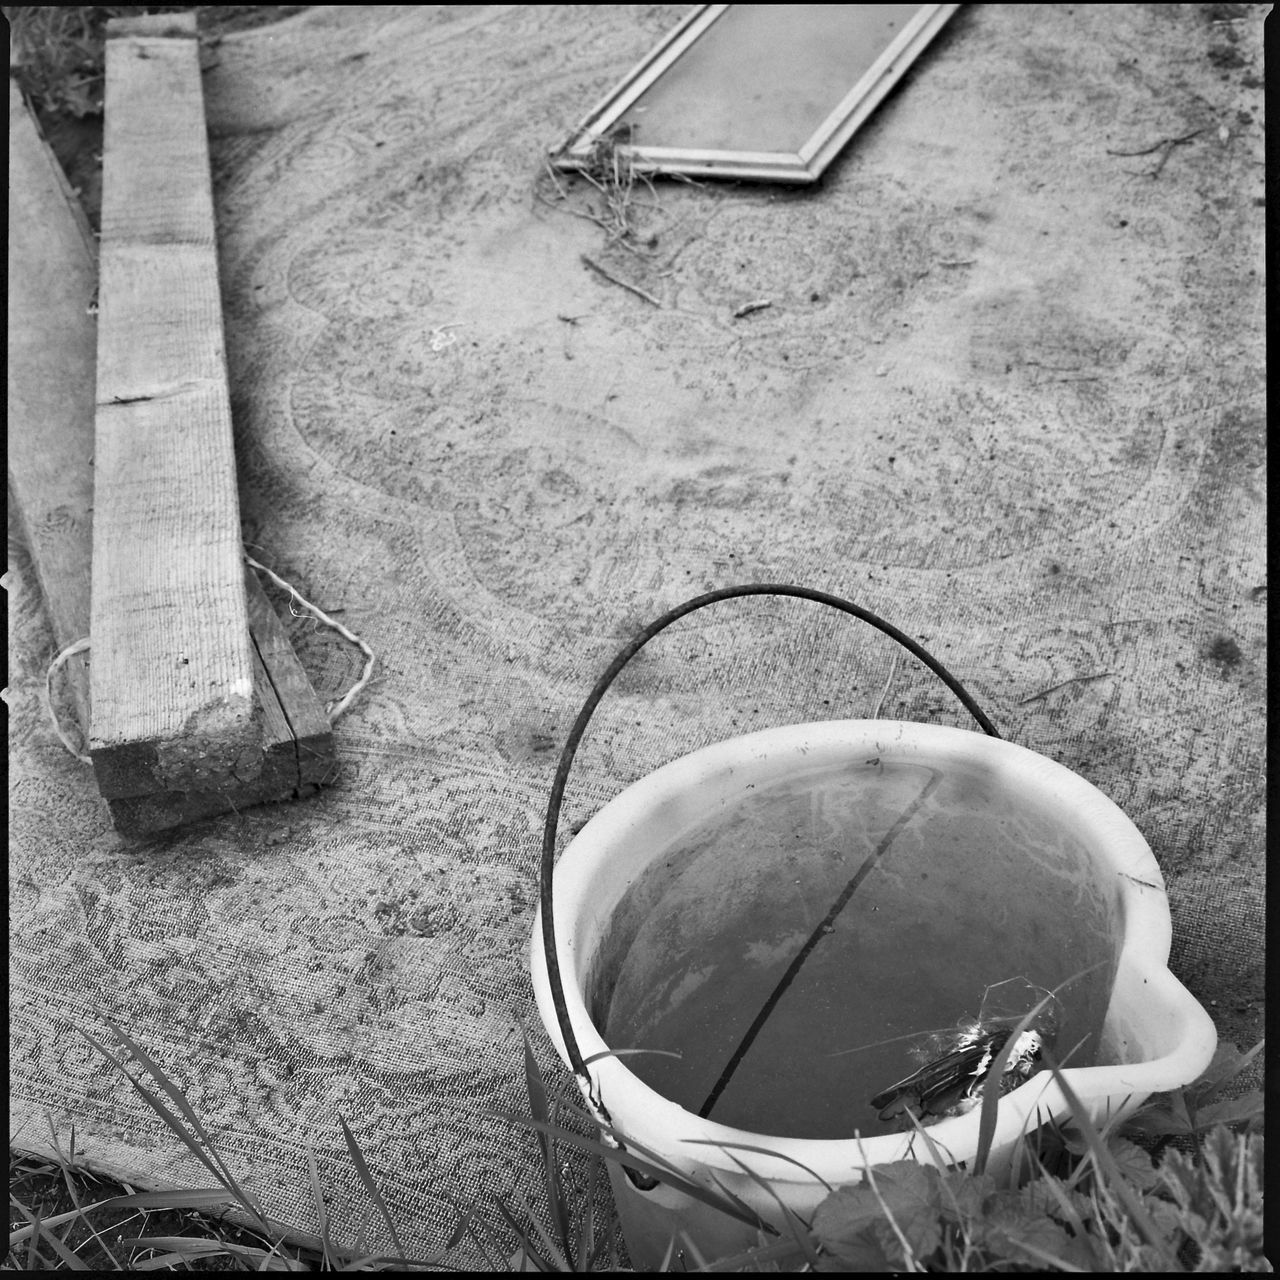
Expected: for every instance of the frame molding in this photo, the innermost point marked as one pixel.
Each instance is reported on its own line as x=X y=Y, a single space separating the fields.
x=802 y=166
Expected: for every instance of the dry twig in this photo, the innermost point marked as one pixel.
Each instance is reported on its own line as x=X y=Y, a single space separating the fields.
x=1167 y=144
x=1053 y=688
x=622 y=284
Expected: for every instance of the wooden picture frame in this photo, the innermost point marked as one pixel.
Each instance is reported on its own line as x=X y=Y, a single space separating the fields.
x=755 y=91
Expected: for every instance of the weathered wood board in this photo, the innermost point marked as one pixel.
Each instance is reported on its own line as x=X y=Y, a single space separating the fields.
x=53 y=276
x=296 y=733
x=52 y=281
x=172 y=671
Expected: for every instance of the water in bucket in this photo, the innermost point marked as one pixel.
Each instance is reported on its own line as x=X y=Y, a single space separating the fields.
x=907 y=891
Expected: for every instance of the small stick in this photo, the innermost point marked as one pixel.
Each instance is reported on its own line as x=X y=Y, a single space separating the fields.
x=555 y=181
x=622 y=284
x=1063 y=684
x=748 y=307
x=1164 y=142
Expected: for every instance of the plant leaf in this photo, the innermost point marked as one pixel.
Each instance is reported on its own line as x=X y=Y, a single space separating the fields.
x=362 y=1170
x=912 y=1194
x=991 y=1086
x=539 y=1110
x=199 y=1145
x=1014 y=1235
x=851 y=1225
x=1106 y=1168
x=670 y=1176
x=40 y=1233
x=322 y=1211
x=969 y=1196
x=1133 y=1162
x=1227 y=1063
x=525 y=1251
x=1246 y=1108
x=730 y=1147
x=183 y=1249
x=844 y=1216
x=798 y=1229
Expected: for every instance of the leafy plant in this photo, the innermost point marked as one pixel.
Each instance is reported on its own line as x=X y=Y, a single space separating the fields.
x=57 y=52
x=1110 y=1205
x=1194 y=1110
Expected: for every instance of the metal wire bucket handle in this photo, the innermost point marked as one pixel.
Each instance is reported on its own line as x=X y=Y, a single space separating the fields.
x=552 y=958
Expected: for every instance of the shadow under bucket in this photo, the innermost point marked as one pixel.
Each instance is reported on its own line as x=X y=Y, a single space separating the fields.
x=792 y=913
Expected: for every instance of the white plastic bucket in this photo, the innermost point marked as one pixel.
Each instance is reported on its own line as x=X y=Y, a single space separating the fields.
x=1148 y=1033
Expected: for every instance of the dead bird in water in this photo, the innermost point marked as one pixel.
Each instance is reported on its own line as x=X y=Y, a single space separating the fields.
x=957 y=1061
x=951 y=1083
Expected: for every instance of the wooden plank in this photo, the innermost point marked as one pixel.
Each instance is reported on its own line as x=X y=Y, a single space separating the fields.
x=296 y=731
x=172 y=671
x=51 y=374
x=53 y=279
x=307 y=722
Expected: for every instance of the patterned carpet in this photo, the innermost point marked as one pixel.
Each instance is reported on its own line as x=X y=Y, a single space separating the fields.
x=1008 y=394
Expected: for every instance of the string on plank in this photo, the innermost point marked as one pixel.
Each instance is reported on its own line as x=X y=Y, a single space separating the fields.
x=333 y=709
x=338 y=705
x=76 y=646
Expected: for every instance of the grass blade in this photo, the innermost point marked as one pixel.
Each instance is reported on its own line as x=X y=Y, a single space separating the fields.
x=197 y=1199
x=525 y=1247
x=170 y=1090
x=192 y=1246
x=693 y=1251
x=782 y=1252
x=470 y=1223
x=33 y=1254
x=940 y=1161
x=627 y=1053
x=557 y=1254
x=991 y=1085
x=798 y=1227
x=663 y=1171
x=726 y=1202
x=185 y=1109
x=64 y=1166
x=185 y=1249
x=1106 y=1164
x=1054 y=1263
x=991 y=1089
x=909 y=1260
x=540 y=1111
x=322 y=1213
x=362 y=1170
x=19 y=1234
x=40 y=1230
x=169 y=1261
x=729 y=1147
x=211 y=1160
